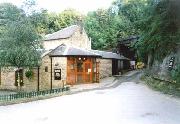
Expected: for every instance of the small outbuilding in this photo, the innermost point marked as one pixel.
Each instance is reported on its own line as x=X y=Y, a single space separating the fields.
x=67 y=59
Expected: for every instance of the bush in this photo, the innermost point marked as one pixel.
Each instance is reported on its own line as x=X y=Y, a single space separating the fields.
x=175 y=74
x=162 y=86
x=29 y=74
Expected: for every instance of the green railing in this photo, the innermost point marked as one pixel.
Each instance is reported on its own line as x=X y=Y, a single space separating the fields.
x=21 y=95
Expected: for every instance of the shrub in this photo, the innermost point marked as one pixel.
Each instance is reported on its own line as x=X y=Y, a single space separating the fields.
x=29 y=74
x=175 y=74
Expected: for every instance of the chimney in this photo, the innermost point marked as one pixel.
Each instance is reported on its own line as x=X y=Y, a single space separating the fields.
x=80 y=24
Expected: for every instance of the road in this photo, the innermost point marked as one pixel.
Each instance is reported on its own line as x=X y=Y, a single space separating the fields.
x=128 y=103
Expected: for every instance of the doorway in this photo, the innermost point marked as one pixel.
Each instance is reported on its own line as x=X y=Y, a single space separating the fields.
x=19 y=77
x=80 y=70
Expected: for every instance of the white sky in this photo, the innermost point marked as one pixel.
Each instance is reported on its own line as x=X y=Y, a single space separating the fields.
x=59 y=5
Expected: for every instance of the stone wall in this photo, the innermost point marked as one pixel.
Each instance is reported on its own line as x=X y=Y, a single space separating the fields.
x=32 y=83
x=8 y=74
x=45 y=77
x=8 y=80
x=105 y=67
x=78 y=39
x=59 y=63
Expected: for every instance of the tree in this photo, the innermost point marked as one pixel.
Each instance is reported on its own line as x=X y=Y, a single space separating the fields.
x=9 y=13
x=105 y=27
x=123 y=19
x=161 y=32
x=51 y=22
x=40 y=20
x=18 y=40
x=98 y=26
x=19 y=45
x=69 y=17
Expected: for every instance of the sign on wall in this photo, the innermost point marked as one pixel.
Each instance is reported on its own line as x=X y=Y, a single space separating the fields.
x=57 y=74
x=171 y=63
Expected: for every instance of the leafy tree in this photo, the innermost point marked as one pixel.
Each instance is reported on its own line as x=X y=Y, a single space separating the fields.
x=161 y=32
x=29 y=6
x=123 y=19
x=50 y=22
x=134 y=11
x=19 y=45
x=69 y=17
x=40 y=20
x=19 y=40
x=9 y=13
x=105 y=27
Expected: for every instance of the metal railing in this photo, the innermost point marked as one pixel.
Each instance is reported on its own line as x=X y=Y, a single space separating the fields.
x=33 y=94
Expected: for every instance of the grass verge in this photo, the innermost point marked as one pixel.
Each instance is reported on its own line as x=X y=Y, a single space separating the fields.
x=162 y=86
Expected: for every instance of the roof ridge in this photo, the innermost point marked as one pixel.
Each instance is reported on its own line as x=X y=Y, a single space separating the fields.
x=62 y=34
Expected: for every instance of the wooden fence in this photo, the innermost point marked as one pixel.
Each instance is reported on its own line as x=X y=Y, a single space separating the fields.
x=21 y=95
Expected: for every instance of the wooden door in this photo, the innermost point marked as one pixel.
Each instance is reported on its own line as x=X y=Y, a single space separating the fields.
x=71 y=71
x=88 y=71
x=79 y=70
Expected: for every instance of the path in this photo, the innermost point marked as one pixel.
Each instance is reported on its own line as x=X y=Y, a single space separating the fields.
x=129 y=102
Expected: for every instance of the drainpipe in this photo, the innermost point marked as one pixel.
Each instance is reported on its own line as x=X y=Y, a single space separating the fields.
x=51 y=73
x=38 y=80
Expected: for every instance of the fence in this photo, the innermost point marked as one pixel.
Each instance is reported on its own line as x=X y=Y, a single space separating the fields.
x=32 y=94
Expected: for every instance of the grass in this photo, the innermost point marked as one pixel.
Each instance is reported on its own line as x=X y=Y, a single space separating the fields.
x=162 y=86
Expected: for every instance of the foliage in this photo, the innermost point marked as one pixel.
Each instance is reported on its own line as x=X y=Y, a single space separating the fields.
x=40 y=21
x=165 y=87
x=121 y=20
x=161 y=32
x=9 y=13
x=29 y=74
x=50 y=22
x=19 y=42
x=69 y=17
x=134 y=11
x=104 y=27
x=176 y=75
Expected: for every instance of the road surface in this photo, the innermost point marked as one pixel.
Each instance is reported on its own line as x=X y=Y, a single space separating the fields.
x=128 y=103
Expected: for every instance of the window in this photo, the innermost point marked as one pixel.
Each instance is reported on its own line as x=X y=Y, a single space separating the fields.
x=46 y=68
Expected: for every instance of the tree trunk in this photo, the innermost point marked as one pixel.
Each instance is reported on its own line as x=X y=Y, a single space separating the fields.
x=150 y=60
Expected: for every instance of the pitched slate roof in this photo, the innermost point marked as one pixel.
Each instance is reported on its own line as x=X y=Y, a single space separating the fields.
x=62 y=34
x=109 y=55
x=64 y=50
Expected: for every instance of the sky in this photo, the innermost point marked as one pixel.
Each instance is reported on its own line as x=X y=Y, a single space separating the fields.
x=82 y=6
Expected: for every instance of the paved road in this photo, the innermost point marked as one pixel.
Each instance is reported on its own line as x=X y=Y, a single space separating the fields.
x=128 y=103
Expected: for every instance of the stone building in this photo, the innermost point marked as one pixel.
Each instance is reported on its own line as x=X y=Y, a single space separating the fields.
x=67 y=60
